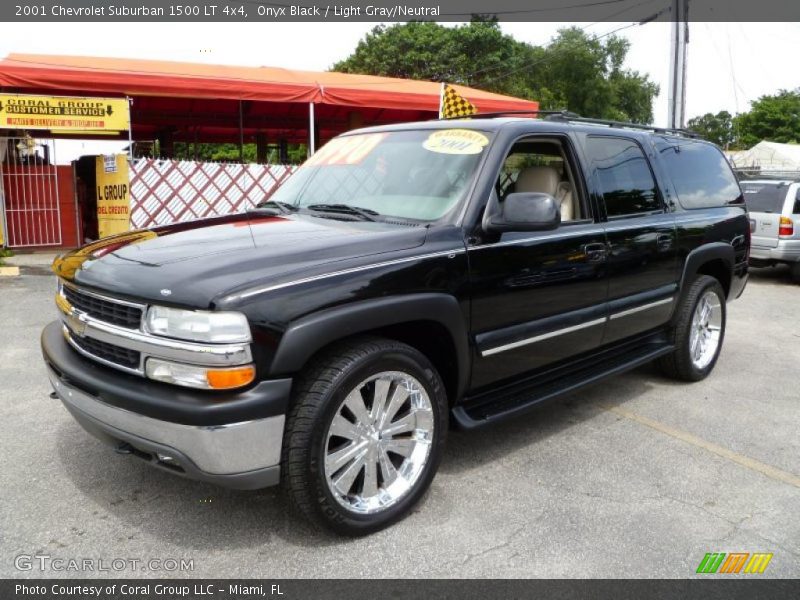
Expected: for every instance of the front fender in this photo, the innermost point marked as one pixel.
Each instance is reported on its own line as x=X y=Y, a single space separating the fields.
x=306 y=336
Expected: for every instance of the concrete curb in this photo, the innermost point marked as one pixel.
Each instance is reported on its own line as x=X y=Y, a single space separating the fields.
x=9 y=271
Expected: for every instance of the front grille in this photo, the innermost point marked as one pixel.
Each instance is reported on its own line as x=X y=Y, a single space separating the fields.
x=104 y=310
x=110 y=352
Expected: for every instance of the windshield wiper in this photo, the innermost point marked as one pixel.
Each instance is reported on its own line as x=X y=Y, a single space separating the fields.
x=282 y=207
x=365 y=213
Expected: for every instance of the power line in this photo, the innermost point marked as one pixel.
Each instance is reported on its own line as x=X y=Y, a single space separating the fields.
x=547 y=58
x=584 y=28
x=734 y=82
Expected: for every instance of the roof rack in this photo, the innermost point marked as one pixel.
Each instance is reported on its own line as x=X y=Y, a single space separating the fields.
x=503 y=113
x=567 y=116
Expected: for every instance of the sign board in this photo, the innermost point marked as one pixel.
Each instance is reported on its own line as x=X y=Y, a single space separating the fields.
x=3 y=150
x=113 y=194
x=64 y=113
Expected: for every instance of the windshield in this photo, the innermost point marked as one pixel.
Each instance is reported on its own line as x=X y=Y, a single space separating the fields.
x=417 y=175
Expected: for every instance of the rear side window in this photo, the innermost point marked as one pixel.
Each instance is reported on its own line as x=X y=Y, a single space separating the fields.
x=764 y=197
x=700 y=174
x=796 y=209
x=624 y=176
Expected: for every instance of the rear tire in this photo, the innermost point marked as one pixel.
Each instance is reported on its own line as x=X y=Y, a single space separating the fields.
x=364 y=435
x=697 y=332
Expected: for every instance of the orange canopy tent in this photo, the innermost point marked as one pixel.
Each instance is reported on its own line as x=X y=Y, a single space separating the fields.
x=199 y=102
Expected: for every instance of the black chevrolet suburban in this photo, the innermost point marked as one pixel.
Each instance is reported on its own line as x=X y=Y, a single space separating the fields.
x=405 y=279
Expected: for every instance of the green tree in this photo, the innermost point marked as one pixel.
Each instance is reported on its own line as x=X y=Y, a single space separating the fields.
x=575 y=71
x=228 y=152
x=773 y=118
x=717 y=128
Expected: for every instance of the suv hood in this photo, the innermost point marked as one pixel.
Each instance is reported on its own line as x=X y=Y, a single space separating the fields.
x=190 y=264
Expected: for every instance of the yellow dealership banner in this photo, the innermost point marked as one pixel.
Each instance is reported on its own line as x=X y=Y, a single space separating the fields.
x=64 y=113
x=113 y=194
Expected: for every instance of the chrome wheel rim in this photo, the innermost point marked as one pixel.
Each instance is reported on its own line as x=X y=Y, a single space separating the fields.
x=706 y=330
x=378 y=442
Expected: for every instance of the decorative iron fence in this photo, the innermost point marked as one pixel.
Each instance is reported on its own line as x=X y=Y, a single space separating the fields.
x=29 y=199
x=167 y=191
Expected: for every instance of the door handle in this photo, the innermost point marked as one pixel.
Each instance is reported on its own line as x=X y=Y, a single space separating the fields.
x=595 y=252
x=664 y=241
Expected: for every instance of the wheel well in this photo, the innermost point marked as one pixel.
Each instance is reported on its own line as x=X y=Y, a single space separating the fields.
x=718 y=270
x=435 y=342
x=429 y=337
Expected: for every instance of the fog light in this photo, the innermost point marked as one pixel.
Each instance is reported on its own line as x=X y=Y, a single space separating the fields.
x=199 y=377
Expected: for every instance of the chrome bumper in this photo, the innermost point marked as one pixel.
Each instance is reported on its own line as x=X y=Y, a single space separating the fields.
x=785 y=251
x=243 y=455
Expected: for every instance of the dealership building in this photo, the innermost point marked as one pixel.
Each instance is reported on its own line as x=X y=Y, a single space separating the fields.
x=45 y=98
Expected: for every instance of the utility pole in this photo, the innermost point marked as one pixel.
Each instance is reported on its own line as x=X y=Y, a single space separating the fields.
x=679 y=41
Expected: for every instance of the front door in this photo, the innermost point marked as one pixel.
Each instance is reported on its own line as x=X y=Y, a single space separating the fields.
x=538 y=297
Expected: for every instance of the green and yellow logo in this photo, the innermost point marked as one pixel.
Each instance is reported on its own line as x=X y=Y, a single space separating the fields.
x=734 y=562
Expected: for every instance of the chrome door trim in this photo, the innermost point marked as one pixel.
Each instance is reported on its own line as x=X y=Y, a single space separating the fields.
x=543 y=336
x=636 y=309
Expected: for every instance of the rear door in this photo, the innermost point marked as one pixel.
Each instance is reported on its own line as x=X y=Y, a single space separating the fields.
x=764 y=200
x=642 y=250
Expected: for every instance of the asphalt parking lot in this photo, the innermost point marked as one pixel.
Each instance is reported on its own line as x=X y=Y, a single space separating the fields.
x=636 y=477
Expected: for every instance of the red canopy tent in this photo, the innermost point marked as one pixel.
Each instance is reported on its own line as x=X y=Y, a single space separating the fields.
x=216 y=103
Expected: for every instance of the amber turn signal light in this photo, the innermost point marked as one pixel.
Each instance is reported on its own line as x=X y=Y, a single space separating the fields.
x=225 y=379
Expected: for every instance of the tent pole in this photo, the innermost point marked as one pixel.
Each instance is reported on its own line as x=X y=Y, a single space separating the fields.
x=311 y=148
x=130 y=130
x=241 y=133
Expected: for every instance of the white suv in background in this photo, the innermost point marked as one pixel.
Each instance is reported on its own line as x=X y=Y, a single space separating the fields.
x=774 y=207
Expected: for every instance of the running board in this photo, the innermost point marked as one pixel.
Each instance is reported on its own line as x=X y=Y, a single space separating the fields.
x=493 y=407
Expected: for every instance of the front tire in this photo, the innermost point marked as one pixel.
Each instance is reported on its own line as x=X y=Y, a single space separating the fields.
x=697 y=332
x=364 y=436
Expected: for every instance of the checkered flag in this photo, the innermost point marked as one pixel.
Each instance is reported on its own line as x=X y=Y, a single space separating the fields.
x=451 y=104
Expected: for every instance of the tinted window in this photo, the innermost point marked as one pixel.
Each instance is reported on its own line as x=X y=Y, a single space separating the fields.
x=796 y=209
x=764 y=197
x=699 y=172
x=625 y=179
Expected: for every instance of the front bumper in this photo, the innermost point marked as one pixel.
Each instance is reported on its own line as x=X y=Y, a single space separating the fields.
x=232 y=439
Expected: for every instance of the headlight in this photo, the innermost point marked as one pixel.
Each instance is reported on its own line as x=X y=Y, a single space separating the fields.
x=206 y=378
x=198 y=325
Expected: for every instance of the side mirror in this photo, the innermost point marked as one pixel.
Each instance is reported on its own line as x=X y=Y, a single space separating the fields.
x=522 y=211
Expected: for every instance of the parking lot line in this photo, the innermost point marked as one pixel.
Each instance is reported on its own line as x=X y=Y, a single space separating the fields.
x=740 y=459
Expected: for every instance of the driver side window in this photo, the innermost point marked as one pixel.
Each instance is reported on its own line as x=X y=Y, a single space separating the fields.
x=535 y=165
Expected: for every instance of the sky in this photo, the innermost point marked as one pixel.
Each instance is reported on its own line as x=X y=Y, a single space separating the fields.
x=729 y=64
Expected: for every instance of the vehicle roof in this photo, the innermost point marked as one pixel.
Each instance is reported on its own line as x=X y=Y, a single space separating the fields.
x=518 y=123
